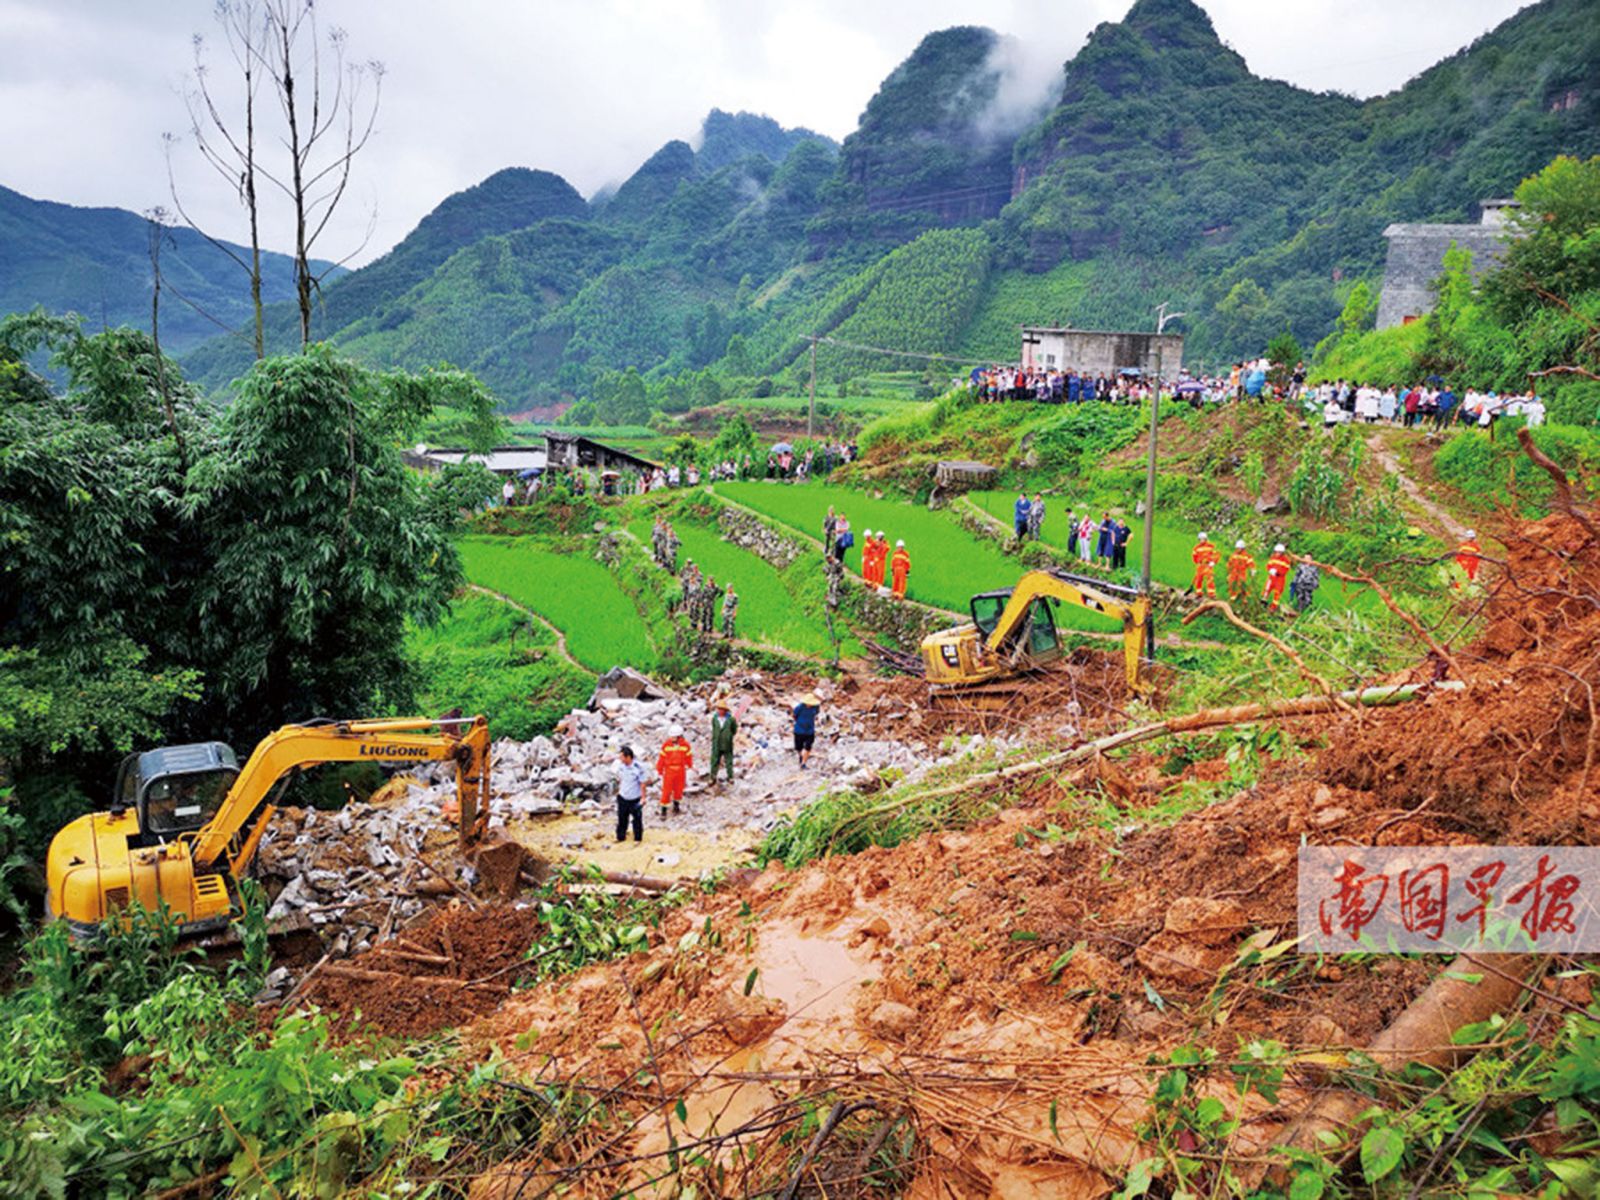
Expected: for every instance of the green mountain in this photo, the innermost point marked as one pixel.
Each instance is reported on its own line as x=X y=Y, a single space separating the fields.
x=1158 y=169
x=726 y=138
x=96 y=262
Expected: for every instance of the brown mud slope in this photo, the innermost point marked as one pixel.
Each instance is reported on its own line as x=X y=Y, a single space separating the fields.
x=458 y=964
x=1005 y=993
x=1517 y=758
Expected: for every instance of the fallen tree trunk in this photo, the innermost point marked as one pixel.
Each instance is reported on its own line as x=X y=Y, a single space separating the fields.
x=1461 y=994
x=1206 y=718
x=540 y=872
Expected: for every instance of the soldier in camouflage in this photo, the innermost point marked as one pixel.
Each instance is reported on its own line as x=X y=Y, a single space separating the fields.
x=730 y=611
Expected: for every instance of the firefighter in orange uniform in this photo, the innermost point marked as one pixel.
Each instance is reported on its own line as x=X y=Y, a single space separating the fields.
x=1277 y=575
x=900 y=566
x=872 y=560
x=1468 y=556
x=673 y=767
x=1240 y=564
x=1206 y=557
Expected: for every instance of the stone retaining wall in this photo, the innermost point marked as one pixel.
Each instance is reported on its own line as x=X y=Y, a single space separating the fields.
x=744 y=528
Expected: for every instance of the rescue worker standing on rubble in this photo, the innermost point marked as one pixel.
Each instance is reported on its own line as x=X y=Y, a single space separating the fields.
x=1278 y=568
x=1240 y=564
x=900 y=567
x=673 y=766
x=805 y=726
x=630 y=796
x=723 y=727
x=1468 y=556
x=1205 y=558
x=730 y=611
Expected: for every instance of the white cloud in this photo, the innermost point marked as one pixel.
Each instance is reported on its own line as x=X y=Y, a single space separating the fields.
x=590 y=88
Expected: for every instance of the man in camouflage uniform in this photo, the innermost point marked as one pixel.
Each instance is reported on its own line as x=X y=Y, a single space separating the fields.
x=835 y=572
x=690 y=579
x=730 y=611
x=658 y=542
x=671 y=548
x=708 y=606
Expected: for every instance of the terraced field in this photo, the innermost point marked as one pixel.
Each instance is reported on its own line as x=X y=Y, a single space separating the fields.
x=767 y=612
x=573 y=592
x=948 y=564
x=1170 y=563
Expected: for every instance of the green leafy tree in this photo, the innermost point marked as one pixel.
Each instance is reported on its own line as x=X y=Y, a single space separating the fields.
x=1284 y=353
x=321 y=546
x=707 y=390
x=173 y=570
x=622 y=400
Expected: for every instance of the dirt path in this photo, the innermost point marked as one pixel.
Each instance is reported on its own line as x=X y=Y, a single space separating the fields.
x=1390 y=461
x=561 y=638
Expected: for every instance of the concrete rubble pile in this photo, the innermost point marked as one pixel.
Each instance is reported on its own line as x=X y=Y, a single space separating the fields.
x=361 y=868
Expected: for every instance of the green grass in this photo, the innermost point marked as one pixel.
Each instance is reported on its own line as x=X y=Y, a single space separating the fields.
x=486 y=657
x=1170 y=563
x=573 y=592
x=767 y=611
x=948 y=564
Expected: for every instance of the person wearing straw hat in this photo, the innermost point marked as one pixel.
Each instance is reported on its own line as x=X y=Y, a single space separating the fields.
x=723 y=727
x=805 y=726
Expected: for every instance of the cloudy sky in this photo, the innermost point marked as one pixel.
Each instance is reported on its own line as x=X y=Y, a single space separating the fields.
x=587 y=88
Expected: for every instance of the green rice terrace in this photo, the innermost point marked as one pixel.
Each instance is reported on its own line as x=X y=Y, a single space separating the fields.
x=577 y=580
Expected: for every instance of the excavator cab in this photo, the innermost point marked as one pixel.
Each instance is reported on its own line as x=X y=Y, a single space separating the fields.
x=175 y=790
x=1037 y=642
x=1014 y=630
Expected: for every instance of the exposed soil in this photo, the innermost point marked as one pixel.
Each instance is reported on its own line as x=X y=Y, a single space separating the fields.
x=1518 y=760
x=978 y=980
x=479 y=953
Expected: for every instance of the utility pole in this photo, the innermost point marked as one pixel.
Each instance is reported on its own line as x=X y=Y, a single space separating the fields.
x=811 y=403
x=1162 y=317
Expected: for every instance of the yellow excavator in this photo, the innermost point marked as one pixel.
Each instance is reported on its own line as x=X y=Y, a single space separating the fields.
x=1014 y=631
x=186 y=821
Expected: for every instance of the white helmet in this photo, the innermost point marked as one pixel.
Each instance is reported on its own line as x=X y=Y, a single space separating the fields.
x=675 y=731
x=900 y=543
x=1202 y=538
x=1471 y=534
x=1239 y=545
x=1280 y=548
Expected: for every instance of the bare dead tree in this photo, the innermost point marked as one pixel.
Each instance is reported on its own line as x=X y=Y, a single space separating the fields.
x=229 y=148
x=157 y=221
x=330 y=115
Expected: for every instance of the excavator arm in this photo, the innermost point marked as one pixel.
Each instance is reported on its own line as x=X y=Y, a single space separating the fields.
x=1134 y=614
x=234 y=832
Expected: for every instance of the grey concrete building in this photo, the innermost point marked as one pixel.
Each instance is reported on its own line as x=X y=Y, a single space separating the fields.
x=1098 y=352
x=1416 y=259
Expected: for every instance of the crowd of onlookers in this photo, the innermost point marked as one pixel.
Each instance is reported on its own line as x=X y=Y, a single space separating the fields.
x=1430 y=403
x=1055 y=387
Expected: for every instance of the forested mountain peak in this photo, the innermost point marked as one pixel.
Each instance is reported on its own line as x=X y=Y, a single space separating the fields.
x=652 y=185
x=511 y=198
x=726 y=138
x=1172 y=25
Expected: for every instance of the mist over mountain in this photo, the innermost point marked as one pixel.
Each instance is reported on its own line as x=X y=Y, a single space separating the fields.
x=984 y=187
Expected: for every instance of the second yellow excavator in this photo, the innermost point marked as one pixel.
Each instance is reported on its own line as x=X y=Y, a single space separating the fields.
x=1014 y=631
x=186 y=821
